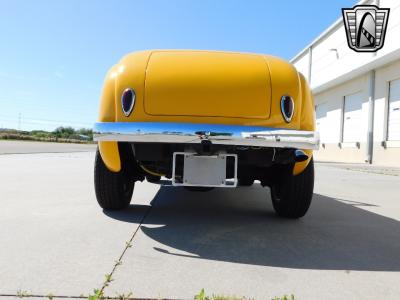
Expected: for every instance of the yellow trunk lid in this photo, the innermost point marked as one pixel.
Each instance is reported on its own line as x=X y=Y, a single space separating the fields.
x=202 y=83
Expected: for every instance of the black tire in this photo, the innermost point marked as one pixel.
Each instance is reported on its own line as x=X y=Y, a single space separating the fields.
x=113 y=190
x=292 y=195
x=153 y=178
x=245 y=182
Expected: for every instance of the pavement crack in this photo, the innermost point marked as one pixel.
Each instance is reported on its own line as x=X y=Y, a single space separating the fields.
x=128 y=244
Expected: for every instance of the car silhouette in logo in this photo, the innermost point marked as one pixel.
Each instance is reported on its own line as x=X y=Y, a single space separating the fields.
x=365 y=27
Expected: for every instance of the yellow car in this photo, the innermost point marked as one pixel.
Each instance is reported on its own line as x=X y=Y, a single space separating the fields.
x=206 y=119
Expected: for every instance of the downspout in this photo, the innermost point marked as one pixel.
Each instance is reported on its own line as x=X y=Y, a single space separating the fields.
x=309 y=64
x=371 y=109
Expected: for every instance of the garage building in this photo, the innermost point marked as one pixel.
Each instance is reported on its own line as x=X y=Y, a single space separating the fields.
x=357 y=95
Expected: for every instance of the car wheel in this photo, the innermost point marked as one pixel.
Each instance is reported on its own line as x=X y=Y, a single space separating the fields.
x=153 y=178
x=113 y=189
x=291 y=197
x=245 y=182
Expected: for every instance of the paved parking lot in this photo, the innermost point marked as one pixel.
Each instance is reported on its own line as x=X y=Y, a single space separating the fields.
x=19 y=147
x=55 y=239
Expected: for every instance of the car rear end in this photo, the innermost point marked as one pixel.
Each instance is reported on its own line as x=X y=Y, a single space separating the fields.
x=207 y=119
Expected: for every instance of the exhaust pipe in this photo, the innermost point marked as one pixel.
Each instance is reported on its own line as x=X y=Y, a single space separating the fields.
x=300 y=156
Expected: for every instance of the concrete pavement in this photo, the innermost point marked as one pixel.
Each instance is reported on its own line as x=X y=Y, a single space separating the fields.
x=19 y=147
x=55 y=239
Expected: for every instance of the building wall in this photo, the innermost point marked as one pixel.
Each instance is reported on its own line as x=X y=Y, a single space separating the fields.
x=330 y=122
x=389 y=155
x=329 y=114
x=337 y=72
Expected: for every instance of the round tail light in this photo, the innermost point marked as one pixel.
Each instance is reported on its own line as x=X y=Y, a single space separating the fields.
x=128 y=101
x=287 y=108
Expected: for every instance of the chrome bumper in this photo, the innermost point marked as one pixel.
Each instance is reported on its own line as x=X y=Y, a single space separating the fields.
x=189 y=133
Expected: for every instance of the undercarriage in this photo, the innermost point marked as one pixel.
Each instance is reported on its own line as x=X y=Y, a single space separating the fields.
x=247 y=163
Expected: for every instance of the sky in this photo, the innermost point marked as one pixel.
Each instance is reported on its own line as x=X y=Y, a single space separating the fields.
x=54 y=54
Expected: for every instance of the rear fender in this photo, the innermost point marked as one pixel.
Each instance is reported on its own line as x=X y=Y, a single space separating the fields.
x=110 y=154
x=307 y=120
x=109 y=150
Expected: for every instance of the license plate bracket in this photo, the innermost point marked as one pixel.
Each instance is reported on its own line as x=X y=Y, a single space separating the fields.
x=203 y=170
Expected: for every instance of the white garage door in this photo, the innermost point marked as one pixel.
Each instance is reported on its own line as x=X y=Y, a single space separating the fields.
x=353 y=119
x=328 y=115
x=394 y=111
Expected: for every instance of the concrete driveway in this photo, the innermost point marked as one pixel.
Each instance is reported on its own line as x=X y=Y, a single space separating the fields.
x=30 y=147
x=171 y=243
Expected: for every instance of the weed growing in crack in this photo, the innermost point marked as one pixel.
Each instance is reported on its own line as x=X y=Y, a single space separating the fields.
x=118 y=262
x=98 y=294
x=124 y=297
x=22 y=294
x=284 y=298
x=202 y=296
x=108 y=280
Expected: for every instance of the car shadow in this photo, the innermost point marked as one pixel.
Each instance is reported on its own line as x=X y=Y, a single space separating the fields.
x=239 y=226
